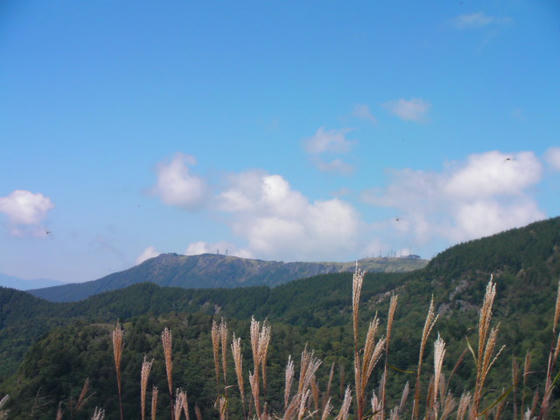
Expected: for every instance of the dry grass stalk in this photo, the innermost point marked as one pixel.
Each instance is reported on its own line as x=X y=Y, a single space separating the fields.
x=315 y=392
x=552 y=358
x=166 y=340
x=289 y=377
x=197 y=412
x=178 y=406
x=265 y=414
x=429 y=397
x=439 y=355
x=457 y=364
x=181 y=404
x=144 y=375
x=297 y=406
x=255 y=330
x=292 y=409
x=260 y=340
x=303 y=404
x=464 y=404
x=376 y=407
x=372 y=354
x=556 y=311
x=186 y=405
x=486 y=344
x=342 y=380
x=534 y=404
x=82 y=399
x=345 y=408
x=58 y=412
x=500 y=408
x=357 y=282
x=3 y=403
x=118 y=345
x=224 y=339
x=308 y=367
x=404 y=397
x=390 y=317
x=215 y=334
x=222 y=410
x=264 y=342
x=358 y=385
x=98 y=414
x=441 y=386
x=448 y=407
x=526 y=372
x=254 y=384
x=238 y=364
x=514 y=384
x=431 y=320
x=486 y=316
x=556 y=350
x=327 y=408
x=154 y=402
x=327 y=394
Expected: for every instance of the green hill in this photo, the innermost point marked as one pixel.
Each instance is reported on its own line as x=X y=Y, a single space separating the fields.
x=70 y=341
x=216 y=271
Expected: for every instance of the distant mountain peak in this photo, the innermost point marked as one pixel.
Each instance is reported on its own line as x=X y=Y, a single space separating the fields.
x=217 y=271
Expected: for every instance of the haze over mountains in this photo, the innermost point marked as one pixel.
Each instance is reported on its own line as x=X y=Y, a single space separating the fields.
x=217 y=271
x=26 y=284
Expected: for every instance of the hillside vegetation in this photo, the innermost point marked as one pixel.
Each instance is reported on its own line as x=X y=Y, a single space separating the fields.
x=74 y=338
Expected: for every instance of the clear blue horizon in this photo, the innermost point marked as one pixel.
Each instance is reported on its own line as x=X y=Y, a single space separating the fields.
x=287 y=131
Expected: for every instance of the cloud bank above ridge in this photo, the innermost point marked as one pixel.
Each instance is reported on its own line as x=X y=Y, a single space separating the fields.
x=478 y=196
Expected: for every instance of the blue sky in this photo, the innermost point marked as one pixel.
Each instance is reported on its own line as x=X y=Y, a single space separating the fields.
x=278 y=130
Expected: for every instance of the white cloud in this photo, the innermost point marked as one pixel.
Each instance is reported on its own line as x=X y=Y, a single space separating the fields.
x=478 y=20
x=278 y=221
x=409 y=110
x=176 y=185
x=323 y=148
x=257 y=192
x=25 y=211
x=328 y=141
x=472 y=20
x=495 y=173
x=552 y=157
x=336 y=166
x=363 y=112
x=486 y=194
x=485 y=217
x=148 y=253
x=201 y=247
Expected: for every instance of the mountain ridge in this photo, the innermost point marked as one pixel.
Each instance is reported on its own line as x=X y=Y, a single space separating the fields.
x=217 y=271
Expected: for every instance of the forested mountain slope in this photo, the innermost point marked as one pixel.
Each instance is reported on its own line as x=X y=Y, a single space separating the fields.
x=525 y=263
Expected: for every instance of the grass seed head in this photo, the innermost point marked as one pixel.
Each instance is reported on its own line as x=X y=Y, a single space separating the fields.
x=154 y=402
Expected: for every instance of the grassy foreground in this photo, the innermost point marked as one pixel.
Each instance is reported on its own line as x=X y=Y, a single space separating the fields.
x=430 y=395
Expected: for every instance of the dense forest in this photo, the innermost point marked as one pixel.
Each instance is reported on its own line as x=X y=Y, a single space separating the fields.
x=49 y=349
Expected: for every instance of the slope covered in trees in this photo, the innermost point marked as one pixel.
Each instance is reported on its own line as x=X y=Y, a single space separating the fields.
x=317 y=310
